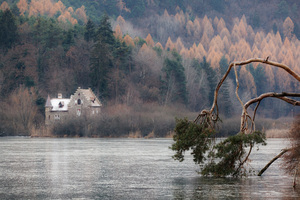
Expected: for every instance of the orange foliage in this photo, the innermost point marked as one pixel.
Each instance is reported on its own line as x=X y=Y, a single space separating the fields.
x=169 y=45
x=255 y=51
x=235 y=34
x=120 y=20
x=59 y=6
x=197 y=28
x=221 y=25
x=217 y=44
x=23 y=6
x=257 y=39
x=180 y=17
x=144 y=48
x=288 y=28
x=226 y=44
x=166 y=14
x=122 y=6
x=149 y=40
x=71 y=10
x=243 y=27
x=247 y=81
x=190 y=27
x=179 y=45
x=159 y=45
x=216 y=21
x=243 y=50
x=118 y=32
x=80 y=12
x=184 y=53
x=207 y=27
x=49 y=8
x=4 y=6
x=251 y=34
x=205 y=41
x=225 y=33
x=214 y=58
x=129 y=41
x=201 y=50
x=66 y=16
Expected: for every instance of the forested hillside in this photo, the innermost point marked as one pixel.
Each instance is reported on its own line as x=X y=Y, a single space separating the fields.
x=142 y=57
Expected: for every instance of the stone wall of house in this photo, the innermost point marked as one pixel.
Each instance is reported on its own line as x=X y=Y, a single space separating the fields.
x=80 y=106
x=52 y=117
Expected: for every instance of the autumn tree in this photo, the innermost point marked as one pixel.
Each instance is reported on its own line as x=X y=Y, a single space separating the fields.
x=4 y=6
x=288 y=28
x=23 y=6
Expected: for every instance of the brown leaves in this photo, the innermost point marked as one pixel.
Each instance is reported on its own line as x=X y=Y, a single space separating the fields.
x=50 y=8
x=4 y=6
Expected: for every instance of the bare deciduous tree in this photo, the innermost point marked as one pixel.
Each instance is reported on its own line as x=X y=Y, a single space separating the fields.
x=21 y=109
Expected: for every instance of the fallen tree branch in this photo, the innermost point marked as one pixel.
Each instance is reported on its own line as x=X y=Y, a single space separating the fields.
x=273 y=160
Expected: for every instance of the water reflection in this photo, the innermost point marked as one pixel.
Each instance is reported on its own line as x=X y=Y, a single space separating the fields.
x=41 y=168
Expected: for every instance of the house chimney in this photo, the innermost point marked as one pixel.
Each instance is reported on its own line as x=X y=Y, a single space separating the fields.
x=59 y=95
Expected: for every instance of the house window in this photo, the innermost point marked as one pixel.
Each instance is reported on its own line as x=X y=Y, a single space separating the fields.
x=78 y=112
x=61 y=104
x=56 y=117
x=78 y=101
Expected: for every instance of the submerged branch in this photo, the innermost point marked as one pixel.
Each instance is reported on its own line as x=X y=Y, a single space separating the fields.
x=273 y=160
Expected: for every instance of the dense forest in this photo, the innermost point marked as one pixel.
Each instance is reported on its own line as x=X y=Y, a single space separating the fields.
x=147 y=61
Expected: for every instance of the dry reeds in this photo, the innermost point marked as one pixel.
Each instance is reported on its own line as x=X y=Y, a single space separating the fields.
x=292 y=157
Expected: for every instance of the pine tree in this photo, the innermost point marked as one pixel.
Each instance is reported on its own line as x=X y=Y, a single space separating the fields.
x=8 y=29
x=211 y=78
x=101 y=57
x=89 y=33
x=226 y=104
x=174 y=81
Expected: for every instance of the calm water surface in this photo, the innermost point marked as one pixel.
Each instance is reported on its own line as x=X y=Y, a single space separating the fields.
x=79 y=168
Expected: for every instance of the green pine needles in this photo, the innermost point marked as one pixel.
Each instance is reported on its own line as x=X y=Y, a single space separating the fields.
x=220 y=159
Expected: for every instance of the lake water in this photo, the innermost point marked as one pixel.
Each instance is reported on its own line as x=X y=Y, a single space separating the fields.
x=88 y=168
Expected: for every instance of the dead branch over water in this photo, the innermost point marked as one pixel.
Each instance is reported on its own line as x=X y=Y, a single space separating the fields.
x=209 y=117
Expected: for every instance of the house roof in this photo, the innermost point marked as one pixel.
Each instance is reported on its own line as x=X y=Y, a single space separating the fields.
x=48 y=102
x=89 y=95
x=60 y=104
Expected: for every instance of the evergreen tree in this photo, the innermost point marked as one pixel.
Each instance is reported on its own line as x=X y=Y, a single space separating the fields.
x=90 y=30
x=8 y=29
x=101 y=57
x=105 y=31
x=68 y=39
x=259 y=76
x=173 y=87
x=121 y=59
x=211 y=78
x=224 y=91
